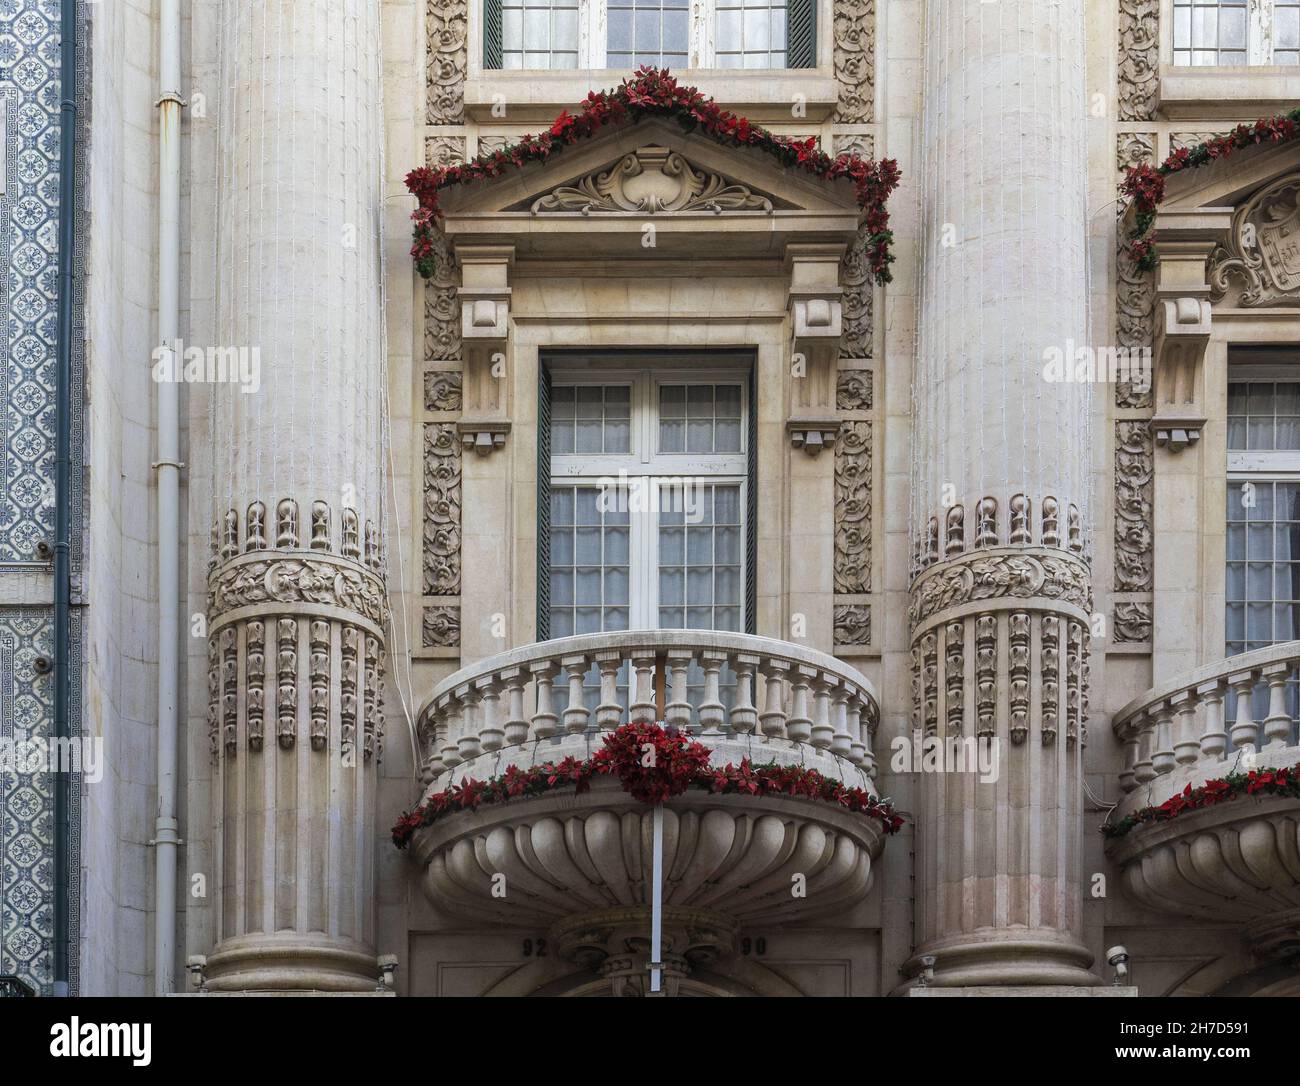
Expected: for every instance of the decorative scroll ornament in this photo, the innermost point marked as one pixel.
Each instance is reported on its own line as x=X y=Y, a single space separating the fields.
x=1134 y=496
x=442 y=482
x=297 y=580
x=652 y=180
x=858 y=281
x=853 y=508
x=999 y=576
x=441 y=627
x=852 y=624
x=853 y=390
x=1139 y=58
x=1135 y=296
x=855 y=59
x=441 y=304
x=1133 y=622
x=448 y=29
x=442 y=390
x=1262 y=257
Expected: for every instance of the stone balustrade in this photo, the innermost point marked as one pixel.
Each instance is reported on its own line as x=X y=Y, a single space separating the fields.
x=1192 y=722
x=752 y=696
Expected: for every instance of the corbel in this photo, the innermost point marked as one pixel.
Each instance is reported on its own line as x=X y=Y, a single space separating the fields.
x=815 y=308
x=485 y=331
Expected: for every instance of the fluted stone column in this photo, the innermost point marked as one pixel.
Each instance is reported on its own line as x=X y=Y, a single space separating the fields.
x=1001 y=596
x=296 y=588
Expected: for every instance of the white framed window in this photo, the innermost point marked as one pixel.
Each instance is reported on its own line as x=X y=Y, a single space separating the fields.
x=558 y=34
x=1236 y=32
x=1263 y=517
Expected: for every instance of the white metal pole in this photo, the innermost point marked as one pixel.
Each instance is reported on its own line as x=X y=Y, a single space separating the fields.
x=657 y=899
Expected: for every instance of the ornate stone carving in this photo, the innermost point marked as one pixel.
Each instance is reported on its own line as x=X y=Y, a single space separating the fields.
x=287 y=672
x=1262 y=257
x=442 y=306
x=320 y=526
x=1135 y=296
x=349 y=644
x=1134 y=495
x=255 y=668
x=954 y=641
x=229 y=691
x=986 y=672
x=214 y=700
x=443 y=390
x=955 y=531
x=852 y=624
x=652 y=180
x=855 y=59
x=447 y=29
x=1000 y=576
x=986 y=524
x=441 y=509
x=1074 y=691
x=1180 y=140
x=857 y=300
x=443 y=151
x=374 y=670
x=1018 y=651
x=297 y=580
x=1132 y=149
x=853 y=508
x=490 y=144
x=853 y=390
x=1051 y=668
x=1133 y=621
x=286 y=524
x=441 y=627
x=255 y=537
x=1139 y=58
x=930 y=682
x=861 y=144
x=320 y=678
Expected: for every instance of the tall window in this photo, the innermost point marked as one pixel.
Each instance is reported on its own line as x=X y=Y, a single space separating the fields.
x=1209 y=32
x=628 y=33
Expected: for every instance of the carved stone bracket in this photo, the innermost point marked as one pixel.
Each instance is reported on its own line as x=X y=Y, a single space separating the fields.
x=483 y=436
x=813 y=434
x=814 y=304
x=485 y=330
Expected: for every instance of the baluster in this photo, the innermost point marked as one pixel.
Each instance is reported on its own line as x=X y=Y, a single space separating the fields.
x=490 y=734
x=1214 y=741
x=1142 y=770
x=822 y=732
x=1245 y=731
x=576 y=714
x=1163 y=761
x=841 y=740
x=1132 y=741
x=609 y=713
x=677 y=713
x=1186 y=746
x=643 y=709
x=799 y=727
x=869 y=722
x=857 y=745
x=516 y=722
x=1277 y=725
x=471 y=746
x=432 y=740
x=712 y=712
x=453 y=711
x=773 y=715
x=744 y=713
x=545 y=722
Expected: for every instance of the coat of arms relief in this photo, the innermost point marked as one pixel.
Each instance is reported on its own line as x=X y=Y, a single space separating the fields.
x=1260 y=264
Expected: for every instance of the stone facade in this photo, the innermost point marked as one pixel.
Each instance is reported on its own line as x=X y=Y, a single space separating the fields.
x=945 y=545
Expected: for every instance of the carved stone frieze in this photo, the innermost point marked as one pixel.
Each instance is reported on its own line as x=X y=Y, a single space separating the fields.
x=857 y=300
x=1133 y=622
x=861 y=144
x=853 y=390
x=1000 y=576
x=853 y=508
x=442 y=496
x=852 y=624
x=442 y=306
x=652 y=180
x=1139 y=58
x=1135 y=297
x=491 y=144
x=297 y=579
x=854 y=33
x=441 y=627
x=1051 y=672
x=287 y=681
x=1134 y=498
x=447 y=27
x=1180 y=140
x=443 y=390
x=1260 y=265
x=1134 y=148
x=443 y=151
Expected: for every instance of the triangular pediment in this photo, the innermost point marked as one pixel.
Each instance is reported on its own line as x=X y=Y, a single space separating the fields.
x=1230 y=181
x=652 y=167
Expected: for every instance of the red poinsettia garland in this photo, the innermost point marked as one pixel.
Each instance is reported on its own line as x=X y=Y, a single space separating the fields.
x=1146 y=183
x=1258 y=782
x=655 y=92
x=653 y=764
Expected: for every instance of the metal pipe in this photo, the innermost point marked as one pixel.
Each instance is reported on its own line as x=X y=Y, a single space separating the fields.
x=63 y=483
x=168 y=467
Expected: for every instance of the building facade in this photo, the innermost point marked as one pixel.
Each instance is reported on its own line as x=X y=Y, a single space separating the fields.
x=650 y=441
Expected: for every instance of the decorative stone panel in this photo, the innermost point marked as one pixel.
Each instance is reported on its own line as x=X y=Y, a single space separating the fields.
x=442 y=506
x=854 y=33
x=853 y=508
x=447 y=29
x=1134 y=506
x=1139 y=59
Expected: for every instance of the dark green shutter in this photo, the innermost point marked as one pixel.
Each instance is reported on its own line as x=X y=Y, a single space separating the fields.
x=801 y=34
x=491 y=34
x=543 y=502
x=751 y=507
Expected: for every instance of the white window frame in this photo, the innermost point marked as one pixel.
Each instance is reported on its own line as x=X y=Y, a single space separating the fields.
x=645 y=461
x=702 y=21
x=1259 y=38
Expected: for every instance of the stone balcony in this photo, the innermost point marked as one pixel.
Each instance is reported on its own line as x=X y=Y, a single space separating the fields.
x=1238 y=860
x=577 y=867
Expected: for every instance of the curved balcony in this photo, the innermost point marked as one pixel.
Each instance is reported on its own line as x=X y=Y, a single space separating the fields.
x=1237 y=860
x=579 y=865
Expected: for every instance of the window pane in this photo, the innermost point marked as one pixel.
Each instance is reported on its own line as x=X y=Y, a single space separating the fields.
x=539 y=33
x=750 y=33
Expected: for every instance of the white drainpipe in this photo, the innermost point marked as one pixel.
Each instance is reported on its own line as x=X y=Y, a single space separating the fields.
x=168 y=468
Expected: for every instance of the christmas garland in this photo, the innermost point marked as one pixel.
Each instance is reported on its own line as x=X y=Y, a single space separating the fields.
x=1146 y=183
x=677 y=764
x=1258 y=782
x=654 y=92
